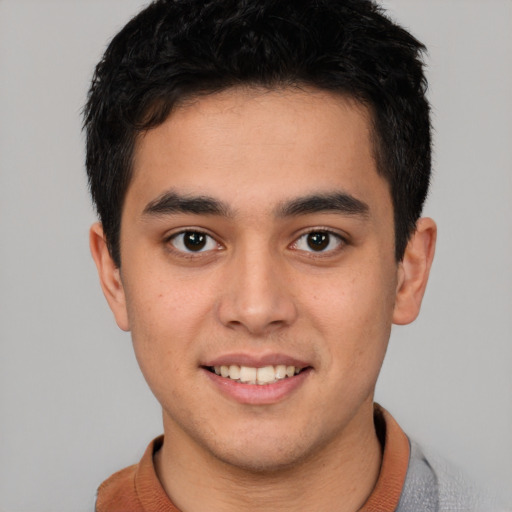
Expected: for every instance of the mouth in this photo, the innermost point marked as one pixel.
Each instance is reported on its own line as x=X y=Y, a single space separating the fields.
x=263 y=379
x=261 y=376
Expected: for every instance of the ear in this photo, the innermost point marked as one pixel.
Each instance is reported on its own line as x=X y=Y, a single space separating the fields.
x=110 y=276
x=414 y=270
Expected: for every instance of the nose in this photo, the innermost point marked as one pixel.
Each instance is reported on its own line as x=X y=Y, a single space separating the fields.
x=257 y=296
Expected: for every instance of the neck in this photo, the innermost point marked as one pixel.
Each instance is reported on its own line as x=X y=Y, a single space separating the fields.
x=337 y=477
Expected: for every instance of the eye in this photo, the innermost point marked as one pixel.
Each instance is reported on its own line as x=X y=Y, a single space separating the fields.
x=318 y=241
x=193 y=241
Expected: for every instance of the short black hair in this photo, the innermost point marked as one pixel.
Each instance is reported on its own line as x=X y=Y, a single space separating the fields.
x=174 y=50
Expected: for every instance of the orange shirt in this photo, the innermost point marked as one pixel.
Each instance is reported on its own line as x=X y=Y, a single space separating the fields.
x=137 y=488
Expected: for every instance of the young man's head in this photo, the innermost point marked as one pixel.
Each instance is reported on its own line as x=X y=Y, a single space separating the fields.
x=259 y=168
x=175 y=52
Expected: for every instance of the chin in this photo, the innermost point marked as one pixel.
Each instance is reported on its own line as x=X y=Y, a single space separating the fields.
x=265 y=456
x=261 y=464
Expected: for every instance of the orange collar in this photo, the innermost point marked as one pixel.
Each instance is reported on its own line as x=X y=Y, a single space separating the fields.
x=395 y=461
x=137 y=488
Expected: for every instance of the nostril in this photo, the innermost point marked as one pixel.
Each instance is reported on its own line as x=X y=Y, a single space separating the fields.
x=258 y=306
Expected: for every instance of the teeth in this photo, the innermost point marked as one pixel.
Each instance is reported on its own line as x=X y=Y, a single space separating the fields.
x=234 y=372
x=280 y=371
x=262 y=376
x=248 y=374
x=266 y=375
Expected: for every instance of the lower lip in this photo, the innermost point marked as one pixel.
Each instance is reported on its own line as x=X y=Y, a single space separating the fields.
x=254 y=394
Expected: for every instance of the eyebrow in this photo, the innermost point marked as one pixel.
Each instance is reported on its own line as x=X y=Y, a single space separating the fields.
x=337 y=202
x=172 y=202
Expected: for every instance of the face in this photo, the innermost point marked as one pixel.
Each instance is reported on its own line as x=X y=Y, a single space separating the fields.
x=257 y=273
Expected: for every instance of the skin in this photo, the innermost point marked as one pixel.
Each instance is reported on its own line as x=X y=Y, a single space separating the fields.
x=258 y=289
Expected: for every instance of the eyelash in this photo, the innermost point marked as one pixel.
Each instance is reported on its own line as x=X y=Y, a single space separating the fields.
x=341 y=242
x=183 y=252
x=190 y=253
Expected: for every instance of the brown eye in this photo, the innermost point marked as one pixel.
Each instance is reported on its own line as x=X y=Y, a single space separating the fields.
x=318 y=241
x=193 y=241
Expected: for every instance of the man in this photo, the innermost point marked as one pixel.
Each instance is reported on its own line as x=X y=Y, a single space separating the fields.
x=259 y=169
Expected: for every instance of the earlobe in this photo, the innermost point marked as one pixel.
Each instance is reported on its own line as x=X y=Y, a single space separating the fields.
x=414 y=271
x=110 y=278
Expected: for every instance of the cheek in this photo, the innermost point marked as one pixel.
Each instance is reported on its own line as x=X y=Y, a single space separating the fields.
x=170 y=304
x=355 y=314
x=165 y=321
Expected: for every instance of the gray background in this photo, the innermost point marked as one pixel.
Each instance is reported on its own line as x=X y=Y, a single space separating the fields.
x=74 y=407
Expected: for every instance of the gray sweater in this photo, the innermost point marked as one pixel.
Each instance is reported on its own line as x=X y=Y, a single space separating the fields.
x=431 y=485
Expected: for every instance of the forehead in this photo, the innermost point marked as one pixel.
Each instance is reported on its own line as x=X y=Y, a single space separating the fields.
x=258 y=143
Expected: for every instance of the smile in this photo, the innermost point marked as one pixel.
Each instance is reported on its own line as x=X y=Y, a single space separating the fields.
x=257 y=376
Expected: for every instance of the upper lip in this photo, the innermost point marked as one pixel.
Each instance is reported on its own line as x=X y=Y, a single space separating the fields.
x=255 y=360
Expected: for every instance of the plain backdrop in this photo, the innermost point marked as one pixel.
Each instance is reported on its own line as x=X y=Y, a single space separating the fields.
x=73 y=405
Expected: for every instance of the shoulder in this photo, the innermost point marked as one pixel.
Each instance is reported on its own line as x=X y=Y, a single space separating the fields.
x=118 y=494
x=135 y=488
x=434 y=485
